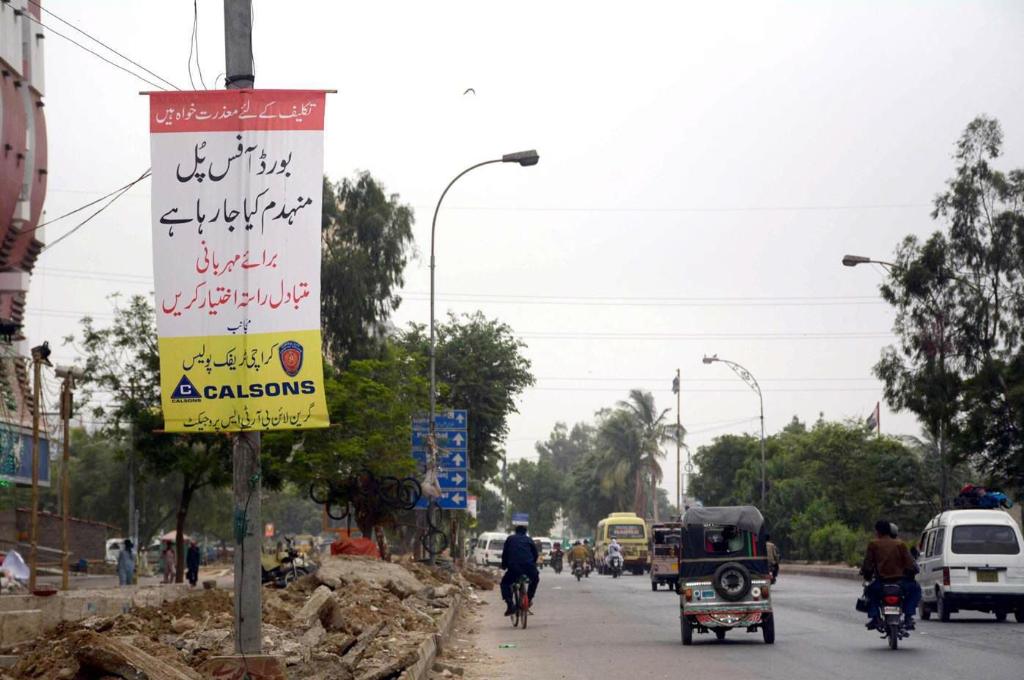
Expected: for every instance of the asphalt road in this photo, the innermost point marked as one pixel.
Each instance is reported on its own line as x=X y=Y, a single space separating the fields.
x=618 y=628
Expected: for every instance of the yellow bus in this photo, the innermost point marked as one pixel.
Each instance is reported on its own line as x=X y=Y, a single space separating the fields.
x=631 y=533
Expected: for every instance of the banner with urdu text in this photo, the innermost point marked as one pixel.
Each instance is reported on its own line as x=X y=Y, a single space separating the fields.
x=237 y=198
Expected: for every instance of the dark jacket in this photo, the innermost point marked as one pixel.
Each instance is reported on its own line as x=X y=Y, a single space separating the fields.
x=192 y=558
x=519 y=552
x=888 y=559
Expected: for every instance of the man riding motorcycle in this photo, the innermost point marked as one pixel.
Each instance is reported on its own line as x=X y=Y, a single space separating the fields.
x=590 y=553
x=578 y=554
x=888 y=560
x=614 y=550
x=518 y=558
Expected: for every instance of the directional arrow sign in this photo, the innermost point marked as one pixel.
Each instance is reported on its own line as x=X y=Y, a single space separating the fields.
x=453 y=479
x=445 y=420
x=446 y=439
x=445 y=459
x=451 y=499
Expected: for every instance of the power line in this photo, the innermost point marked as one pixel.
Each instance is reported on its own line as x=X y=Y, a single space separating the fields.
x=694 y=209
x=94 y=53
x=710 y=390
x=838 y=335
x=106 y=205
x=610 y=303
x=755 y=298
x=90 y=203
x=97 y=40
x=692 y=380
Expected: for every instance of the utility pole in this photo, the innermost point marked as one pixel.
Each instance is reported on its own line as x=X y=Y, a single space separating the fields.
x=40 y=356
x=246 y=478
x=66 y=406
x=678 y=388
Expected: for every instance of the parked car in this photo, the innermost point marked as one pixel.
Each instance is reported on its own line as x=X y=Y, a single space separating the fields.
x=972 y=560
x=113 y=549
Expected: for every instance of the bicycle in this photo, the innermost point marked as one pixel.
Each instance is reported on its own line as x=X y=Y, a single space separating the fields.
x=392 y=492
x=520 y=602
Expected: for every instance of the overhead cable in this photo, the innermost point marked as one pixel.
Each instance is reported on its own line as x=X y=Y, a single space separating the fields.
x=106 y=205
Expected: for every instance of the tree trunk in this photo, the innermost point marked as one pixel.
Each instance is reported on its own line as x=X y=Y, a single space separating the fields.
x=187 y=489
x=639 y=502
x=654 y=497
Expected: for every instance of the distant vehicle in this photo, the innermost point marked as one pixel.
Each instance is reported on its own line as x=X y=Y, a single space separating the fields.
x=972 y=560
x=665 y=542
x=113 y=549
x=631 y=533
x=724 y=582
x=488 y=548
x=543 y=544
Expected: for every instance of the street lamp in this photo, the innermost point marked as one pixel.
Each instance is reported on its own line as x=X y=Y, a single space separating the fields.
x=751 y=382
x=854 y=260
x=524 y=159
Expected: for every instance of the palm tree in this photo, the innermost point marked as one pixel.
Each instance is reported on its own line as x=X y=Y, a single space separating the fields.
x=653 y=430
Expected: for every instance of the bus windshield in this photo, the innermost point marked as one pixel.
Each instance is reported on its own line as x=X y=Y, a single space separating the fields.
x=627 y=531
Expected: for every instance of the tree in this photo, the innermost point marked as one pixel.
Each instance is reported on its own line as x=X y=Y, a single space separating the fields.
x=535 y=488
x=480 y=367
x=959 y=298
x=490 y=510
x=654 y=431
x=371 y=404
x=564 y=448
x=366 y=236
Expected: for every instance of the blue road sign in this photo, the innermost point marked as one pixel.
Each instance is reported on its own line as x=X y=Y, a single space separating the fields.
x=453 y=479
x=451 y=499
x=445 y=459
x=520 y=518
x=446 y=439
x=445 y=420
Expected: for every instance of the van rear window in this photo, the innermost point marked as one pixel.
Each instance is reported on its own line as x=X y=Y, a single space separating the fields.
x=496 y=544
x=985 y=539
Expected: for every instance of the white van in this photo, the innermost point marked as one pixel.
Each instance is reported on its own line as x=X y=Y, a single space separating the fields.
x=487 y=551
x=544 y=549
x=972 y=560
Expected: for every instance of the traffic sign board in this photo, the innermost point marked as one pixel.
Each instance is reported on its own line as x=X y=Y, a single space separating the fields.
x=446 y=439
x=450 y=499
x=445 y=459
x=453 y=479
x=445 y=420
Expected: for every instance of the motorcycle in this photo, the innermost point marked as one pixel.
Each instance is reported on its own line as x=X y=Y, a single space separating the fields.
x=556 y=562
x=615 y=566
x=587 y=568
x=578 y=569
x=891 y=623
x=283 y=568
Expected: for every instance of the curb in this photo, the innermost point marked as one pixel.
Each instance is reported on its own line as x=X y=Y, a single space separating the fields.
x=822 y=570
x=428 y=649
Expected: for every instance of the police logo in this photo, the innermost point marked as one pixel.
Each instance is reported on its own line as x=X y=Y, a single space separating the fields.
x=290 y=354
x=185 y=392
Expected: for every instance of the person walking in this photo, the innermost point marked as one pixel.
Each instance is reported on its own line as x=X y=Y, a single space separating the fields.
x=192 y=563
x=168 y=562
x=772 y=552
x=126 y=564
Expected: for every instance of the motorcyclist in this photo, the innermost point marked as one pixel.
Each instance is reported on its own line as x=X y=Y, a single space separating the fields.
x=556 y=554
x=590 y=553
x=518 y=558
x=888 y=560
x=578 y=554
x=614 y=549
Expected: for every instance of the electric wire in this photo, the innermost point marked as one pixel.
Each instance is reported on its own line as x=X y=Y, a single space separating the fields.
x=195 y=37
x=90 y=203
x=106 y=205
x=100 y=42
x=95 y=53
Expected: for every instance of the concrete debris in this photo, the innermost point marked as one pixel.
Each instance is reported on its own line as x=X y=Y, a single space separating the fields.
x=355 y=619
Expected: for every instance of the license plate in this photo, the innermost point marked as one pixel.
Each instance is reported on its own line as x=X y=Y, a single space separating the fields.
x=891 y=611
x=988 y=576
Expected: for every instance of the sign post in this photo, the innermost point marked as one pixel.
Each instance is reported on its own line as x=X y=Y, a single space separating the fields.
x=451 y=435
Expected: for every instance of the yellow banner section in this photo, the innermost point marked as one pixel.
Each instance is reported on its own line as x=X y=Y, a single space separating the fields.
x=265 y=381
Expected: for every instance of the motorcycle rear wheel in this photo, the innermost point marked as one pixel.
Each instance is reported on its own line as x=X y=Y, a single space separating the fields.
x=892 y=631
x=686 y=627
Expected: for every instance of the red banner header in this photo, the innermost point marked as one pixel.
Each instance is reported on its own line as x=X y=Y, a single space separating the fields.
x=235 y=110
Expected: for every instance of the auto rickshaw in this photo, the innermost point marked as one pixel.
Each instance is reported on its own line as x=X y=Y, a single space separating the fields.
x=724 y=580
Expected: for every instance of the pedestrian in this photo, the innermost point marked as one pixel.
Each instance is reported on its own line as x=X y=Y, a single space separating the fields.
x=192 y=563
x=126 y=564
x=772 y=551
x=169 y=562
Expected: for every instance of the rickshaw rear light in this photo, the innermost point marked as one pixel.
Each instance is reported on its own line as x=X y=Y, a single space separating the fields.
x=688 y=594
x=755 y=592
x=945 y=576
x=764 y=591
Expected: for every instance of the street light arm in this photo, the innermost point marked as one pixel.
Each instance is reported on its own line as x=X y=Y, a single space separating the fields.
x=744 y=375
x=437 y=208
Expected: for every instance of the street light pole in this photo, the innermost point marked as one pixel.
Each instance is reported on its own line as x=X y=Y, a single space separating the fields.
x=524 y=159
x=747 y=377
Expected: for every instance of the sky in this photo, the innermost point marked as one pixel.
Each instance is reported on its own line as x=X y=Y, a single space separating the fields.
x=704 y=167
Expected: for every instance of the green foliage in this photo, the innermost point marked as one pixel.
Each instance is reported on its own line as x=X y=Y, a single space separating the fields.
x=959 y=301
x=480 y=367
x=831 y=474
x=836 y=542
x=565 y=448
x=535 y=488
x=366 y=236
x=490 y=510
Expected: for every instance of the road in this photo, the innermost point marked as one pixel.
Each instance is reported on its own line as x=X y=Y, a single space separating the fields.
x=620 y=628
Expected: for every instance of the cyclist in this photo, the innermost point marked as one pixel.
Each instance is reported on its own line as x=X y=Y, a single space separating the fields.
x=518 y=558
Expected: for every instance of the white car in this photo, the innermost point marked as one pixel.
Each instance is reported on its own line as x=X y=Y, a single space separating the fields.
x=113 y=549
x=972 y=560
x=487 y=551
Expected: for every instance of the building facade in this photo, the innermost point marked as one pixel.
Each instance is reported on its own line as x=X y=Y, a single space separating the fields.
x=23 y=175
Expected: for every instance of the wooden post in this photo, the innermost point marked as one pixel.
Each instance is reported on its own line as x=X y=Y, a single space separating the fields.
x=33 y=556
x=65 y=486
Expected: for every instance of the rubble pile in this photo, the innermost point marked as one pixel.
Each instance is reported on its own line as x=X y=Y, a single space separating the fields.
x=356 y=618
